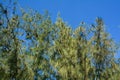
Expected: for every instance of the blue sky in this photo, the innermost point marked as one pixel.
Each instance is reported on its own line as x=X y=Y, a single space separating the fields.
x=75 y=11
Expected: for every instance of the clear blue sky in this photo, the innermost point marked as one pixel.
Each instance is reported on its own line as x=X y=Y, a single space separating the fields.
x=75 y=11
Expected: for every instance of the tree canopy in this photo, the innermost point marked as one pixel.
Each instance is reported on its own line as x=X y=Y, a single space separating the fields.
x=33 y=47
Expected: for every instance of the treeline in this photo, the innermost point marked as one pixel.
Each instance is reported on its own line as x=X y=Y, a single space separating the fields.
x=32 y=47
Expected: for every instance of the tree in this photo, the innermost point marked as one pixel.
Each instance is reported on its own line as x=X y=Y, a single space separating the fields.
x=83 y=50
x=63 y=56
x=103 y=54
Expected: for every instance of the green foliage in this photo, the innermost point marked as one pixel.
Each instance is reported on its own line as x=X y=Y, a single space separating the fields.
x=34 y=47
